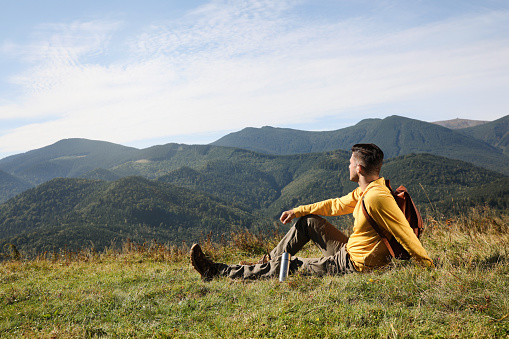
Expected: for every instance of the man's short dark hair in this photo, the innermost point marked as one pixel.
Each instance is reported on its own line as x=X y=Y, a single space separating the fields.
x=370 y=157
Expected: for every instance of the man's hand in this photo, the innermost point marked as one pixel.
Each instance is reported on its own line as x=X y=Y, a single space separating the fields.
x=287 y=216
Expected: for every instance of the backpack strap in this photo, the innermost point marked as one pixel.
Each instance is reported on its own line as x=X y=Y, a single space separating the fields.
x=377 y=228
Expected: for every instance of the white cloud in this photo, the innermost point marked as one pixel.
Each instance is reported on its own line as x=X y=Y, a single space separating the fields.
x=228 y=65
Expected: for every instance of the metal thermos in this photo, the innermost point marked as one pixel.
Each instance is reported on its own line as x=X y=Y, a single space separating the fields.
x=285 y=266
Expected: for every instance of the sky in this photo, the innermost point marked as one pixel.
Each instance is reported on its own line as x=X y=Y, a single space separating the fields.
x=142 y=73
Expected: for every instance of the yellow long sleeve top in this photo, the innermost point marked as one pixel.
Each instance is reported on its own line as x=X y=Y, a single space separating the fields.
x=366 y=248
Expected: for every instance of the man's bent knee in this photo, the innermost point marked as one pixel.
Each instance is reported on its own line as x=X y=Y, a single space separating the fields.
x=312 y=221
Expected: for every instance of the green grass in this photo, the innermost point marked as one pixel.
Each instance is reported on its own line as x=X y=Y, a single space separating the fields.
x=151 y=291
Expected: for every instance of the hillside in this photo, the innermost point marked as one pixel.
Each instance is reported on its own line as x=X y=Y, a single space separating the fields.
x=80 y=212
x=268 y=184
x=10 y=186
x=495 y=133
x=446 y=185
x=66 y=158
x=73 y=158
x=395 y=135
x=100 y=174
x=271 y=184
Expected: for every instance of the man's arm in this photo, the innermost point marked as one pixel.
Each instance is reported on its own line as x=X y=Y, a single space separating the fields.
x=330 y=207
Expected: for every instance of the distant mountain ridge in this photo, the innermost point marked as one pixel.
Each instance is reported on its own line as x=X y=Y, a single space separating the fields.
x=460 y=123
x=395 y=135
x=495 y=133
x=66 y=158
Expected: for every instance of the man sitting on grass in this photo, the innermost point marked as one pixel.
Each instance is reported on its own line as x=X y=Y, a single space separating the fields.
x=362 y=251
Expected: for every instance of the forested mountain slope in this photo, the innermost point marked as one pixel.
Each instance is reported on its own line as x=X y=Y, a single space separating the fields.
x=80 y=212
x=10 y=186
x=495 y=133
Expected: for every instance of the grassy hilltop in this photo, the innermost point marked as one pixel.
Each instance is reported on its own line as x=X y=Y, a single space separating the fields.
x=151 y=291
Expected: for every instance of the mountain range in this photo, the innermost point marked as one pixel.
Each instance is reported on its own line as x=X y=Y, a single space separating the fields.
x=77 y=191
x=483 y=145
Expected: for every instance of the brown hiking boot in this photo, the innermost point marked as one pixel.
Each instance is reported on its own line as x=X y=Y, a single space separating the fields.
x=206 y=267
x=265 y=259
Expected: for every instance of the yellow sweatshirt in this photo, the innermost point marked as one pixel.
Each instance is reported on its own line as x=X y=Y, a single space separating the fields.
x=366 y=248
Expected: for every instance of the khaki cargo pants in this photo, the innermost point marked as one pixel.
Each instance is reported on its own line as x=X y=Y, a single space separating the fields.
x=330 y=240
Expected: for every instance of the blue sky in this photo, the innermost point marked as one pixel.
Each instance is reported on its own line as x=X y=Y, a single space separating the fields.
x=141 y=73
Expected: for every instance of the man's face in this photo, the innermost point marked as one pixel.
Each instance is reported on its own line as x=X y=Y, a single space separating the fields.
x=354 y=176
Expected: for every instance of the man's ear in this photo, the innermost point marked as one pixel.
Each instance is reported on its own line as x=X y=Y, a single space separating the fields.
x=359 y=169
